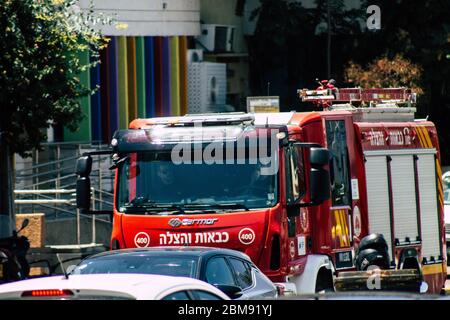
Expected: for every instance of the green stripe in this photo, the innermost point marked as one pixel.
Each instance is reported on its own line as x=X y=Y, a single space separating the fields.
x=175 y=76
x=140 y=76
x=131 y=58
x=83 y=134
x=123 y=82
x=183 y=74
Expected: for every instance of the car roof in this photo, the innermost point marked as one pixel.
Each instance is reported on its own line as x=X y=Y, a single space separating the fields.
x=138 y=286
x=178 y=250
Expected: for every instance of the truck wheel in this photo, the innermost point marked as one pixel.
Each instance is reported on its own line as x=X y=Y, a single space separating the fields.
x=372 y=257
x=324 y=282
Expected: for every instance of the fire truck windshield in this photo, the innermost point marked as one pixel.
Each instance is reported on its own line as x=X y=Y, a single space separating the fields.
x=151 y=183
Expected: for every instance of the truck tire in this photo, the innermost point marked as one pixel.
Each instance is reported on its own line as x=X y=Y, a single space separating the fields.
x=373 y=241
x=372 y=257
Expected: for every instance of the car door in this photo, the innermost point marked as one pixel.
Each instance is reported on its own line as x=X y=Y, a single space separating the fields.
x=254 y=284
x=192 y=295
x=218 y=271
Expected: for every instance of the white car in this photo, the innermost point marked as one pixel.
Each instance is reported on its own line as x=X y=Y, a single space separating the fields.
x=111 y=287
x=446 y=183
x=447 y=212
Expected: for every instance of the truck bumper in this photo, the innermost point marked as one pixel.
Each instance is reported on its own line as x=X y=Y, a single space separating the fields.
x=409 y=280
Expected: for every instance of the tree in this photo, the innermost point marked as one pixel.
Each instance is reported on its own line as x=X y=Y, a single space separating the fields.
x=385 y=72
x=40 y=45
x=292 y=45
x=420 y=32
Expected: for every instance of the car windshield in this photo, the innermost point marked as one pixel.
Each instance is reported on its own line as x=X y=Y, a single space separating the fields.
x=170 y=265
x=152 y=182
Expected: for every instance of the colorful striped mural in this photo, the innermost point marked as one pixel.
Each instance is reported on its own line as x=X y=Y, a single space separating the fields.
x=138 y=77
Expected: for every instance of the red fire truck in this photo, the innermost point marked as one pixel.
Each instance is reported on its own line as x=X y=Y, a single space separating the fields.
x=314 y=198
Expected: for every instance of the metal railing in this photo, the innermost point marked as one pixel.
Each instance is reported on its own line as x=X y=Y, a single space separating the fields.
x=47 y=182
x=95 y=200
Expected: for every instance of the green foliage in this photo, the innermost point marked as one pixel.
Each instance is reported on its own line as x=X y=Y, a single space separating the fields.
x=385 y=73
x=40 y=45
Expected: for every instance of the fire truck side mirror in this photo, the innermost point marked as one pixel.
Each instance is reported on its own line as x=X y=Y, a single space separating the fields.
x=319 y=176
x=319 y=157
x=83 y=189
x=84 y=193
x=84 y=166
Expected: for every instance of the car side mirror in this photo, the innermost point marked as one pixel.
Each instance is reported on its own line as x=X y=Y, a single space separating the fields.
x=233 y=292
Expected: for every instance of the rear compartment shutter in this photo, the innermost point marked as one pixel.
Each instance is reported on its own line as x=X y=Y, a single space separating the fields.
x=378 y=198
x=429 y=214
x=404 y=198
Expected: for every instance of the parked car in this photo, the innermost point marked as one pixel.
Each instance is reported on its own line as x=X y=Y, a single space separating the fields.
x=111 y=287
x=446 y=183
x=231 y=271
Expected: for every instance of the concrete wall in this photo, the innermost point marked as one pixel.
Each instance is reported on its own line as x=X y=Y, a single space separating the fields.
x=41 y=232
x=149 y=17
x=64 y=232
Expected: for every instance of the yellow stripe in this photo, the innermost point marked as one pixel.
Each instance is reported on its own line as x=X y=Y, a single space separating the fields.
x=439 y=178
x=439 y=168
x=427 y=136
x=341 y=222
x=344 y=227
x=344 y=217
x=432 y=269
x=439 y=183
x=421 y=137
x=338 y=224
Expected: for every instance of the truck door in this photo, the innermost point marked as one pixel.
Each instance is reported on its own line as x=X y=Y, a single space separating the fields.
x=340 y=212
x=298 y=229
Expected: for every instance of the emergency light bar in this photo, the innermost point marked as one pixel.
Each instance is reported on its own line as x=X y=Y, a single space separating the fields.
x=315 y=95
x=394 y=95
x=204 y=119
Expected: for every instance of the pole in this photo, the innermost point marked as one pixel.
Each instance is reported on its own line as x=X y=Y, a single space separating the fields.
x=78 y=226
x=328 y=41
x=93 y=216
x=7 y=217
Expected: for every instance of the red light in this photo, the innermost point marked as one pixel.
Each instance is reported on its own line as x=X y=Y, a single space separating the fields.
x=47 y=293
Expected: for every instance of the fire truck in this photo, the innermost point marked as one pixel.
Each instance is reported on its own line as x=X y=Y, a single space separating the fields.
x=315 y=199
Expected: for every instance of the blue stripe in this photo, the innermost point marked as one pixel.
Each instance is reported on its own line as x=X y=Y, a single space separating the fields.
x=149 y=77
x=113 y=89
x=96 y=113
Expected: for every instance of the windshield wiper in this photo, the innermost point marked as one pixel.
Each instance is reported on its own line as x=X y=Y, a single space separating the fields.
x=151 y=206
x=166 y=208
x=217 y=205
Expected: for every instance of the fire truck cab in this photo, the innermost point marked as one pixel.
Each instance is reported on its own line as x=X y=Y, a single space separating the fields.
x=299 y=192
